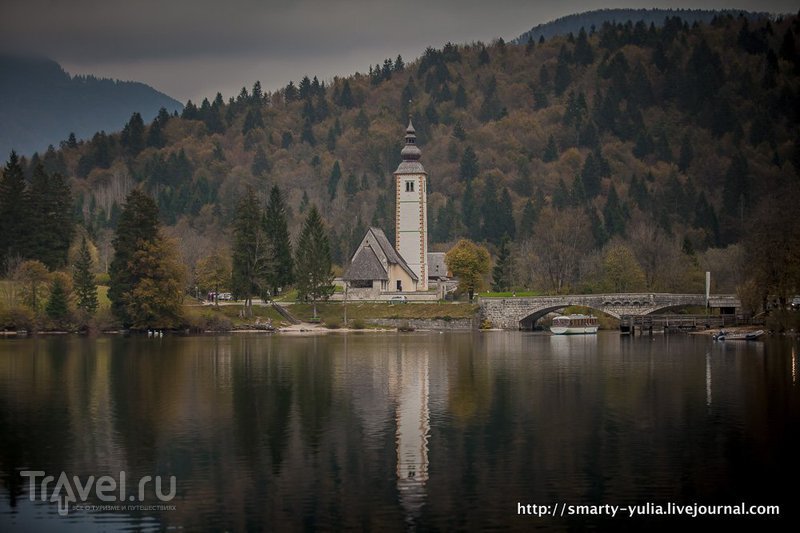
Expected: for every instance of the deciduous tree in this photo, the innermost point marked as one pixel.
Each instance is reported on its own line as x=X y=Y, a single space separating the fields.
x=470 y=263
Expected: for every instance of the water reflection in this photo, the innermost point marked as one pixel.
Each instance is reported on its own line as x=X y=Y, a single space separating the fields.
x=396 y=432
x=708 y=379
x=410 y=380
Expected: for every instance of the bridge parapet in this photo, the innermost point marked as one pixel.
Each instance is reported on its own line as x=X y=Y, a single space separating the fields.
x=509 y=313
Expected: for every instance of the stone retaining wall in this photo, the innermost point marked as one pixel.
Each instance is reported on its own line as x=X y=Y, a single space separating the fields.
x=455 y=324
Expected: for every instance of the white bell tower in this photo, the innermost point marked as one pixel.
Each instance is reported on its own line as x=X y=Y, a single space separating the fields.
x=411 y=219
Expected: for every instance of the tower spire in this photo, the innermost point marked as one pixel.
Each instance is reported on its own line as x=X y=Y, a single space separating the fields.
x=411 y=151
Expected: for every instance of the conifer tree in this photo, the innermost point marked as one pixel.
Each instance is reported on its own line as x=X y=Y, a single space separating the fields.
x=613 y=213
x=470 y=216
x=314 y=278
x=346 y=96
x=58 y=303
x=132 y=138
x=333 y=180
x=14 y=212
x=252 y=252
x=276 y=226
x=469 y=168
x=83 y=280
x=501 y=273
x=50 y=205
x=138 y=225
x=307 y=134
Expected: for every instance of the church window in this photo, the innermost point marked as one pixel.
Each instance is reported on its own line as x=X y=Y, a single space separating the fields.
x=409 y=186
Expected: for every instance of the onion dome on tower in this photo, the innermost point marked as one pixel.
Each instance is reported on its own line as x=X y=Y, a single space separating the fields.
x=410 y=153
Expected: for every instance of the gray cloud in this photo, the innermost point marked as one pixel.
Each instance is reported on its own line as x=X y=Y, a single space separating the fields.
x=192 y=48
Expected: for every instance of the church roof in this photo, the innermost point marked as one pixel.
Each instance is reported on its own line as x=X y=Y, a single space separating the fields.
x=367 y=262
x=391 y=254
x=410 y=153
x=365 y=266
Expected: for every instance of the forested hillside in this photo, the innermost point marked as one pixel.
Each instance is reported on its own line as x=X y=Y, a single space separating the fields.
x=40 y=104
x=629 y=158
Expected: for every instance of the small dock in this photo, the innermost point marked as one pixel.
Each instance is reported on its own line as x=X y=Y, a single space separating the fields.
x=648 y=324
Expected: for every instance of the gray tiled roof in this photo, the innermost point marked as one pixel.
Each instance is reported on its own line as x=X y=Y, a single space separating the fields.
x=365 y=266
x=410 y=167
x=391 y=255
x=437 y=268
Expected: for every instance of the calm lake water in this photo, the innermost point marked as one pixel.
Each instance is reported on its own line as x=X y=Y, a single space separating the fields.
x=394 y=432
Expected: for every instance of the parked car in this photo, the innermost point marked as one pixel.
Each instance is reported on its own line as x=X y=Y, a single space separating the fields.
x=225 y=296
x=796 y=303
x=398 y=299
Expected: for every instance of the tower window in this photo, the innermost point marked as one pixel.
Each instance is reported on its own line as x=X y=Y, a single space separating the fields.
x=409 y=186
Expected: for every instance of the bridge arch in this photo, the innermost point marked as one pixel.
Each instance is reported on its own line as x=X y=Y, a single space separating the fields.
x=529 y=322
x=514 y=313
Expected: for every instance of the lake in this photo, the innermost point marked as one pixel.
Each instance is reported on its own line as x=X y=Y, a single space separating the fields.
x=392 y=432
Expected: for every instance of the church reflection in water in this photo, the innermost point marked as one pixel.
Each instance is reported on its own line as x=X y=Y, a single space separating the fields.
x=409 y=382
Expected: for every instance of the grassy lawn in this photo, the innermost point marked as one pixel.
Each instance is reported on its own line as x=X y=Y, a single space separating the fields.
x=231 y=312
x=334 y=311
x=508 y=294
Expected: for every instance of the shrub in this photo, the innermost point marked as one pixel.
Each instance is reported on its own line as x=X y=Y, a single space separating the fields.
x=781 y=321
x=358 y=324
x=17 y=318
x=333 y=323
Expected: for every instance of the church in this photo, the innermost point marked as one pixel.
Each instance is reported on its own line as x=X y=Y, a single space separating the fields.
x=379 y=270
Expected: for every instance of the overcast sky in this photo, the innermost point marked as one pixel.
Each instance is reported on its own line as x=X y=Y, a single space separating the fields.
x=191 y=49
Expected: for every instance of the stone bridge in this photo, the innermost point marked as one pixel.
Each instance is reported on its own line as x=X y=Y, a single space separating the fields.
x=523 y=312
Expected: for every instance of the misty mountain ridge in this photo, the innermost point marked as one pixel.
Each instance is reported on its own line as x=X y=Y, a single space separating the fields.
x=41 y=104
x=596 y=18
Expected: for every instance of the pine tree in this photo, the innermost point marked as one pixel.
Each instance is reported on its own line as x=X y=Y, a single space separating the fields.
x=58 y=304
x=83 y=280
x=469 y=167
x=470 y=216
x=530 y=215
x=613 y=214
x=260 y=166
x=314 y=278
x=132 y=138
x=591 y=173
x=252 y=252
x=490 y=212
x=583 y=54
x=562 y=197
x=50 y=205
x=563 y=77
x=460 y=98
x=307 y=134
x=252 y=121
x=14 y=213
x=276 y=226
x=138 y=225
x=333 y=180
x=506 y=225
x=501 y=273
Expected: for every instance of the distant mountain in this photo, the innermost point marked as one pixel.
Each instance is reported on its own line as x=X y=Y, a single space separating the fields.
x=589 y=19
x=40 y=104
